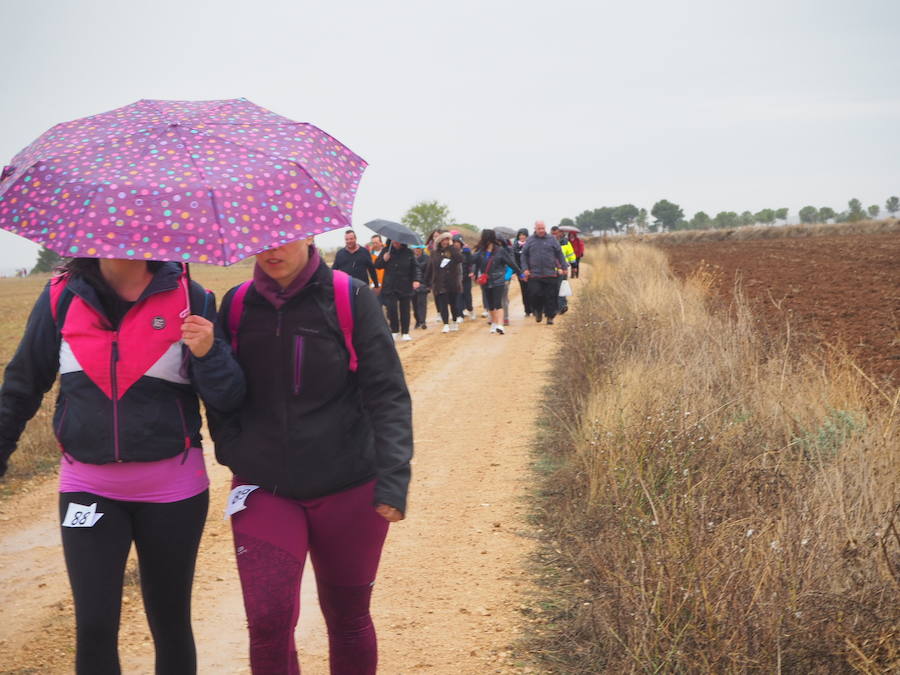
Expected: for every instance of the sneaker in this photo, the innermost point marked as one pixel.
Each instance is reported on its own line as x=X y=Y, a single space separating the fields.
x=499 y=330
x=484 y=315
x=466 y=312
x=459 y=319
x=564 y=310
x=424 y=326
x=406 y=337
x=505 y=322
x=454 y=326
x=550 y=321
x=446 y=328
x=493 y=329
x=396 y=336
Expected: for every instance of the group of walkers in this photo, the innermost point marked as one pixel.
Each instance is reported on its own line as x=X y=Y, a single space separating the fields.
x=447 y=268
x=306 y=403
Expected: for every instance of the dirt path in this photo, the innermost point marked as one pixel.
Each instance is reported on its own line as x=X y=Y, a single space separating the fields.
x=452 y=576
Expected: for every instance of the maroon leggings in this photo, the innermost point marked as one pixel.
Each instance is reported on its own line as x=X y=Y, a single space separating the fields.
x=343 y=535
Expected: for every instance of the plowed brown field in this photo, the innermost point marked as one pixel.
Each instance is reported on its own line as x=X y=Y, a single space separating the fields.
x=842 y=290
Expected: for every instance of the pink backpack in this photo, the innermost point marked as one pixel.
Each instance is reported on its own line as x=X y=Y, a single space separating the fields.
x=343 y=294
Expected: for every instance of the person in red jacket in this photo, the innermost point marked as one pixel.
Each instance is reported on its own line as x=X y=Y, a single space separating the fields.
x=578 y=247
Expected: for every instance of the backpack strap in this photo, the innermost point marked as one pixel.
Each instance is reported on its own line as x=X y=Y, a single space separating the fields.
x=235 y=311
x=343 y=302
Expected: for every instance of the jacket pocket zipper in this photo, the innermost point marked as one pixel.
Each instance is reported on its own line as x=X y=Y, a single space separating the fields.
x=59 y=428
x=298 y=362
x=184 y=431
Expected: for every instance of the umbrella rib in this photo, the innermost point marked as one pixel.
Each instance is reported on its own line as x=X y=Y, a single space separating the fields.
x=212 y=197
x=281 y=159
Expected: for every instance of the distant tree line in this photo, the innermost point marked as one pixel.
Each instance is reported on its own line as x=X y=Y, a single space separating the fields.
x=670 y=216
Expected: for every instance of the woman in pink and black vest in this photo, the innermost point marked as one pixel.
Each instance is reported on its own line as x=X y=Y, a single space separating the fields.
x=132 y=362
x=320 y=452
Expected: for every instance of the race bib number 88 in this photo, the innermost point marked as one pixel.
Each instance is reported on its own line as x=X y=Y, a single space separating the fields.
x=79 y=515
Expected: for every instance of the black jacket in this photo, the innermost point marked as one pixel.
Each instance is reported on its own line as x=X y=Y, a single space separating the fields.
x=358 y=264
x=310 y=427
x=399 y=272
x=155 y=417
x=445 y=277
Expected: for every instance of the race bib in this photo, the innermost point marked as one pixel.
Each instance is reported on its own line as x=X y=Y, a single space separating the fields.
x=79 y=515
x=237 y=498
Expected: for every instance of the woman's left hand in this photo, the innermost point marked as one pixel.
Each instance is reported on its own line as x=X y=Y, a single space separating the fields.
x=197 y=334
x=389 y=513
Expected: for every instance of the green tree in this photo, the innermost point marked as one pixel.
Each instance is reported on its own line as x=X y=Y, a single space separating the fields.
x=765 y=216
x=701 y=221
x=746 y=218
x=666 y=213
x=855 y=210
x=46 y=261
x=726 y=219
x=782 y=213
x=874 y=210
x=425 y=217
x=826 y=213
x=642 y=218
x=625 y=214
x=892 y=205
x=809 y=214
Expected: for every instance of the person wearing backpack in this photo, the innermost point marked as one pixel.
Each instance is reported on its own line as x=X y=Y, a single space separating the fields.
x=132 y=362
x=320 y=452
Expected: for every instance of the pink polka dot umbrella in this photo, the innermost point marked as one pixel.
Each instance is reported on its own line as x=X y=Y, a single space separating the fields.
x=187 y=181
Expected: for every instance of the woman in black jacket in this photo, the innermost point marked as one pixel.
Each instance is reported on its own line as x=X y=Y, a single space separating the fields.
x=401 y=279
x=320 y=452
x=443 y=275
x=492 y=260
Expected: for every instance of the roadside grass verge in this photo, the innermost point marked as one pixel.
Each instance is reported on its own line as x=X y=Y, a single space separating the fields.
x=781 y=232
x=710 y=503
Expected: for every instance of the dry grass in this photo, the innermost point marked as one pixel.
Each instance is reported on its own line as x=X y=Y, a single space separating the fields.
x=714 y=508
x=785 y=231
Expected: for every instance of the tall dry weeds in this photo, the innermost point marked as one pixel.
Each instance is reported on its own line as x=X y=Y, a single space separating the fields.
x=715 y=507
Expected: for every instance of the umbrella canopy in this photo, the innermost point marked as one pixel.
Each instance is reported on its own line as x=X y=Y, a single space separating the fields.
x=505 y=232
x=395 y=232
x=189 y=181
x=569 y=228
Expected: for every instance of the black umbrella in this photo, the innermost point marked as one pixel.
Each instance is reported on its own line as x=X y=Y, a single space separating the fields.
x=505 y=232
x=395 y=232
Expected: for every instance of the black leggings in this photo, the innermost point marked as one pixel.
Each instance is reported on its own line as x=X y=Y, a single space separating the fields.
x=446 y=303
x=166 y=537
x=393 y=302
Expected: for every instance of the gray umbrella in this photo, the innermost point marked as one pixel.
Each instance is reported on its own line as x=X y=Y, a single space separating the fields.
x=505 y=232
x=395 y=232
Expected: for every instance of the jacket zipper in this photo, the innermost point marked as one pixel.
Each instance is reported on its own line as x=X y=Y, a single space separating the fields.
x=187 y=439
x=298 y=362
x=114 y=359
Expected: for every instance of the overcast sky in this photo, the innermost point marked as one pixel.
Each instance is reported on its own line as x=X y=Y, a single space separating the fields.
x=506 y=111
